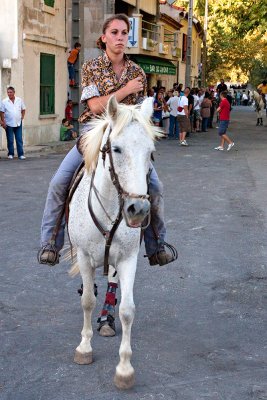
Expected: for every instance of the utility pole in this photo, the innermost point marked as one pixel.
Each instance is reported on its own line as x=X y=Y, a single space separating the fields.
x=204 y=55
x=189 y=44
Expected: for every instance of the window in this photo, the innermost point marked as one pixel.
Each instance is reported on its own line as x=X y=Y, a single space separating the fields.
x=184 y=47
x=47 y=84
x=49 y=3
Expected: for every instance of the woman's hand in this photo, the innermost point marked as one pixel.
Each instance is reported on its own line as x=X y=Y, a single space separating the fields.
x=135 y=85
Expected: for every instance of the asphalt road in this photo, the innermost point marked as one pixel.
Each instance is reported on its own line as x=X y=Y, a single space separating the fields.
x=200 y=326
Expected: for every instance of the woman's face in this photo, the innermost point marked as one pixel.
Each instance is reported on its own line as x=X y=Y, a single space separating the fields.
x=116 y=37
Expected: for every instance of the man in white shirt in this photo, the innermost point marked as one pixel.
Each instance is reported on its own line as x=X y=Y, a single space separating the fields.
x=12 y=112
x=173 y=105
x=183 y=117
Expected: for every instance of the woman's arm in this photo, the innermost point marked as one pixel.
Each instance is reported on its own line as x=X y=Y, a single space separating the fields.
x=97 y=104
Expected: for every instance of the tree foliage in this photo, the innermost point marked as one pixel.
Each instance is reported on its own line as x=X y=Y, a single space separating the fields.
x=237 y=39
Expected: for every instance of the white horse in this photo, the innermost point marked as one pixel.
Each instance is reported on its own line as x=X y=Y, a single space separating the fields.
x=125 y=133
x=259 y=106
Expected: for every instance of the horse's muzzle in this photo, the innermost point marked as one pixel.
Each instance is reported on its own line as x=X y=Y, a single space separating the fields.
x=135 y=211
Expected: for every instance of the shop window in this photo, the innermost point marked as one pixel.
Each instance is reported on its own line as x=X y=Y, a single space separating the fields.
x=47 y=84
x=184 y=47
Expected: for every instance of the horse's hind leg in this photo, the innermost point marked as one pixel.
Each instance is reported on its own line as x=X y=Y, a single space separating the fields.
x=124 y=377
x=83 y=353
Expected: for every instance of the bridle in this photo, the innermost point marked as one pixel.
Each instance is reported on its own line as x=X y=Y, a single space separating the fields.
x=122 y=195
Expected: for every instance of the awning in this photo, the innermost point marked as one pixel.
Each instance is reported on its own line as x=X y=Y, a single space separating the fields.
x=155 y=66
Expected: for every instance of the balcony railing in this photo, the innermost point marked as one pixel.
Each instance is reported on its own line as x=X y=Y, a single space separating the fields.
x=146 y=36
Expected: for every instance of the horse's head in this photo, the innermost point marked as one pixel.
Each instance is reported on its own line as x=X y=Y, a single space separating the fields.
x=131 y=144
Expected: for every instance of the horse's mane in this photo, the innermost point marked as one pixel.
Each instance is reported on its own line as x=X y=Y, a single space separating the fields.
x=91 y=141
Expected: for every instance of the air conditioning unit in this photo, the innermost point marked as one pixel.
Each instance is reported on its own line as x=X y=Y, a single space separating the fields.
x=163 y=48
x=148 y=44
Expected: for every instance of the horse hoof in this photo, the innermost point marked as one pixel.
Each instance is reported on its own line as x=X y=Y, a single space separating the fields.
x=83 y=358
x=106 y=330
x=124 y=382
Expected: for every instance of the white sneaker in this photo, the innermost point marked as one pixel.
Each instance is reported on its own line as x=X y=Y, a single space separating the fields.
x=22 y=157
x=230 y=146
x=184 y=143
x=10 y=157
x=219 y=148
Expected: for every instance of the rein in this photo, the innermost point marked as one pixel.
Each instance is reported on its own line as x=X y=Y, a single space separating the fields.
x=122 y=195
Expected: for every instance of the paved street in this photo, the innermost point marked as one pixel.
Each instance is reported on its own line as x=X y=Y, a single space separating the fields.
x=200 y=326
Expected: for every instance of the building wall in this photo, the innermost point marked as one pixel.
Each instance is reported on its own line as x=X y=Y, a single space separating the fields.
x=195 y=54
x=41 y=29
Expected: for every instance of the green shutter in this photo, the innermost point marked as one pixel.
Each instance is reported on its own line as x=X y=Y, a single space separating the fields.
x=49 y=3
x=47 y=84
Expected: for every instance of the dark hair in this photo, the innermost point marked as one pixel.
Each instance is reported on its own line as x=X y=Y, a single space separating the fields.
x=121 y=17
x=68 y=101
x=11 y=88
x=64 y=120
x=264 y=82
x=224 y=94
x=207 y=95
x=77 y=44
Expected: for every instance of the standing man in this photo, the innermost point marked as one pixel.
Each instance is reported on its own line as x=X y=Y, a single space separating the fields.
x=183 y=117
x=12 y=113
x=173 y=127
x=222 y=87
x=224 y=110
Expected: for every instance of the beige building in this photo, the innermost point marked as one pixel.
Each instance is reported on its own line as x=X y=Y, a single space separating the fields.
x=33 y=59
x=196 y=53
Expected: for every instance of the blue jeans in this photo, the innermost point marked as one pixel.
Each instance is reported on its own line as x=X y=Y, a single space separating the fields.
x=205 y=124
x=174 y=127
x=71 y=71
x=10 y=133
x=58 y=191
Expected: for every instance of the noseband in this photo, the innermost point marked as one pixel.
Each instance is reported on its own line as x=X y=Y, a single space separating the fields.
x=122 y=195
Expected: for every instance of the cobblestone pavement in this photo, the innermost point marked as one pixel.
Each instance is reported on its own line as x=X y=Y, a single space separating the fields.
x=200 y=326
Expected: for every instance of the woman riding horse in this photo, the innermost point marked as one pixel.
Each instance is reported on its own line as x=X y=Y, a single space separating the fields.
x=109 y=74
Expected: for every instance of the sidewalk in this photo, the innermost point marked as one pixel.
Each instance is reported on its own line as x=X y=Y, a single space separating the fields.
x=51 y=147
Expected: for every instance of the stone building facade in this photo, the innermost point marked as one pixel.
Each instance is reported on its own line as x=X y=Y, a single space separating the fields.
x=37 y=67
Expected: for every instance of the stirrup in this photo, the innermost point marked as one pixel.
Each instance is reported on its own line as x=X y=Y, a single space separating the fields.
x=170 y=255
x=48 y=254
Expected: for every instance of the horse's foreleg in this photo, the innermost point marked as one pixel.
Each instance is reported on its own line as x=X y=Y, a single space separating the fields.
x=83 y=354
x=124 y=377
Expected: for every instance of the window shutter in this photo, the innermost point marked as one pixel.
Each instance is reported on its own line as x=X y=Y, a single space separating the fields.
x=49 y=3
x=47 y=84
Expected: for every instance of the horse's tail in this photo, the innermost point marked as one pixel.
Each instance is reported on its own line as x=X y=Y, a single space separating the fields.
x=71 y=255
x=74 y=270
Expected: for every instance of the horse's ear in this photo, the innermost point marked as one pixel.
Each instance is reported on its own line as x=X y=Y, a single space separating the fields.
x=147 y=107
x=112 y=107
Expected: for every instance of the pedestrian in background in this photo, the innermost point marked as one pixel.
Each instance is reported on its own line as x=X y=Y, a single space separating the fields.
x=205 y=111
x=221 y=87
x=224 y=116
x=74 y=53
x=244 y=98
x=212 y=109
x=183 y=117
x=12 y=113
x=66 y=131
x=158 y=107
x=173 y=105
x=68 y=111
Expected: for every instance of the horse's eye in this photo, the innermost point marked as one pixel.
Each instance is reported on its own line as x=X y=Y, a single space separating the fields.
x=117 y=150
